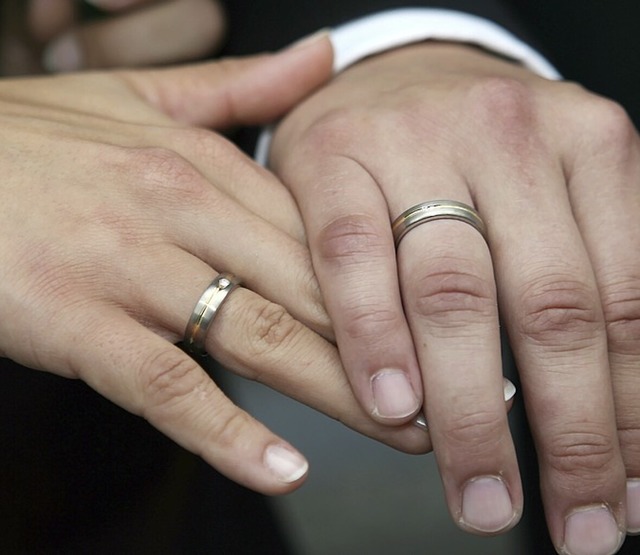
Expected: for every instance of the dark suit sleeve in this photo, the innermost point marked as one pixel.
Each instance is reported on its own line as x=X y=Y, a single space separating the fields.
x=268 y=25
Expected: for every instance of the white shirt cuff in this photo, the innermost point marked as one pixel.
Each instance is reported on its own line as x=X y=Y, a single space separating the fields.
x=383 y=31
x=386 y=30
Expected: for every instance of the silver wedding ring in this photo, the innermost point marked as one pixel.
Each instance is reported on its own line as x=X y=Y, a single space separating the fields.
x=436 y=210
x=205 y=311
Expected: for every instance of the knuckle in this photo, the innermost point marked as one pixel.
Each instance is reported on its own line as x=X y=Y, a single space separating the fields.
x=228 y=427
x=335 y=130
x=348 y=240
x=162 y=173
x=611 y=128
x=503 y=106
x=336 y=121
x=168 y=377
x=475 y=431
x=621 y=307
x=560 y=311
x=452 y=292
x=272 y=328
x=365 y=321
x=581 y=453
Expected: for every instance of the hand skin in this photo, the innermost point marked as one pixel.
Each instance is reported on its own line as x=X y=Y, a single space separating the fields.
x=134 y=33
x=554 y=171
x=117 y=212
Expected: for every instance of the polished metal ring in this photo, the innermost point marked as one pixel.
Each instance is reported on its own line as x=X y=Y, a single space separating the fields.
x=205 y=311
x=436 y=210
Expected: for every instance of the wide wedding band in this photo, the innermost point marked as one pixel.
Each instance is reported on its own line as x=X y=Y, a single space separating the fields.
x=205 y=311
x=436 y=210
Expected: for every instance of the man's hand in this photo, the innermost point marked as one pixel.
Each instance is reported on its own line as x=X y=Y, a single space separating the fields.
x=554 y=171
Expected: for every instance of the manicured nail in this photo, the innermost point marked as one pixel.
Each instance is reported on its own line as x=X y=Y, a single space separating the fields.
x=285 y=463
x=63 y=55
x=393 y=395
x=633 y=506
x=486 y=505
x=509 y=389
x=591 y=531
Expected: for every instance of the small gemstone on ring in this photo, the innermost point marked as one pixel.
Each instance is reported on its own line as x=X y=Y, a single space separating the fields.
x=224 y=282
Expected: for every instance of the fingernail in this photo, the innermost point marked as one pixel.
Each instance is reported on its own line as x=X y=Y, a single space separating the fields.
x=591 y=531
x=309 y=40
x=286 y=464
x=633 y=506
x=486 y=505
x=63 y=55
x=509 y=389
x=393 y=396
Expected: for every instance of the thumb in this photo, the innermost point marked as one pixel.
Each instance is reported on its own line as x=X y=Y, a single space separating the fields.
x=237 y=91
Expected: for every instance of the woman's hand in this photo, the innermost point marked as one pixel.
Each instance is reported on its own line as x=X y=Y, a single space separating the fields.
x=56 y=37
x=117 y=213
x=554 y=171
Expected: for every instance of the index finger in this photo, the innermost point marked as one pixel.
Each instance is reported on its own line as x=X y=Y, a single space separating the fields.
x=347 y=224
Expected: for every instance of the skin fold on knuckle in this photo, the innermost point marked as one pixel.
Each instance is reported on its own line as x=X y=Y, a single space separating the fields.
x=352 y=240
x=473 y=434
x=165 y=380
x=271 y=332
x=227 y=429
x=450 y=294
x=621 y=307
x=325 y=129
x=164 y=177
x=370 y=321
x=505 y=110
x=560 y=312
x=606 y=135
x=582 y=456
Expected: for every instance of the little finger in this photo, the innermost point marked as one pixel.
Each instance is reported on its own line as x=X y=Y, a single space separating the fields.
x=604 y=188
x=551 y=306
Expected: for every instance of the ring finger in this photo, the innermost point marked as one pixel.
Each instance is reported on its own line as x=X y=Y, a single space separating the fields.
x=450 y=302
